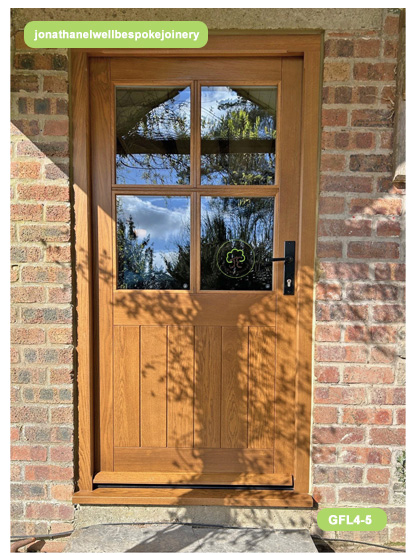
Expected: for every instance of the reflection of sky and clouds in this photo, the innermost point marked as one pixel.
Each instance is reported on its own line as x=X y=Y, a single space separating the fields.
x=165 y=219
x=153 y=133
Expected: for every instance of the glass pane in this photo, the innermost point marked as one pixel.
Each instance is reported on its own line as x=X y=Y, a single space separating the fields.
x=153 y=135
x=238 y=135
x=153 y=242
x=236 y=243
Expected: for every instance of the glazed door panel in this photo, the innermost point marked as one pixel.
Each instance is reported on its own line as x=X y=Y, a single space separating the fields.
x=195 y=173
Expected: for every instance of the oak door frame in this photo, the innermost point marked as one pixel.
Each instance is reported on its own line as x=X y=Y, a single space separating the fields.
x=309 y=47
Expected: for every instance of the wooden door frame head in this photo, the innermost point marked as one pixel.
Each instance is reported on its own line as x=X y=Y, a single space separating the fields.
x=309 y=47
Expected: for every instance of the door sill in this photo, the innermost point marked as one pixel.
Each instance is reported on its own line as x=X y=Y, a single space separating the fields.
x=188 y=496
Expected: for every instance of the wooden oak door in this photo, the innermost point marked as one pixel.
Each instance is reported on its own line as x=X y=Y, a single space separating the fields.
x=195 y=178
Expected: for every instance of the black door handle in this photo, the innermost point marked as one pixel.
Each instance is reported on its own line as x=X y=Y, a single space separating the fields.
x=289 y=271
x=285 y=259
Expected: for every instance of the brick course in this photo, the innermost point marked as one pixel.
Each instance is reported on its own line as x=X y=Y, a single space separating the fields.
x=358 y=414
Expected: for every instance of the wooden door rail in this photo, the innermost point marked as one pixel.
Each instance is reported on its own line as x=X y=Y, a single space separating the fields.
x=190 y=478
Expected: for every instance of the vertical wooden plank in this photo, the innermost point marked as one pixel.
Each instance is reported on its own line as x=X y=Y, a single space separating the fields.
x=101 y=171
x=288 y=230
x=261 y=404
x=180 y=386
x=207 y=409
x=153 y=398
x=234 y=410
x=311 y=114
x=127 y=386
x=83 y=265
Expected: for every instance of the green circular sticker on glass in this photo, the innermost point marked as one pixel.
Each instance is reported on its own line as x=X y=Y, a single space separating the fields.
x=235 y=258
x=342 y=520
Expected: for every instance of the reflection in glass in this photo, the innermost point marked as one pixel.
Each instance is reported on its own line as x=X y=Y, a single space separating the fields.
x=153 y=242
x=153 y=135
x=236 y=243
x=238 y=135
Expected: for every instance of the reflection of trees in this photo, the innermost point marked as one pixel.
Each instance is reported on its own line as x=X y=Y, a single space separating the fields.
x=240 y=120
x=251 y=221
x=153 y=137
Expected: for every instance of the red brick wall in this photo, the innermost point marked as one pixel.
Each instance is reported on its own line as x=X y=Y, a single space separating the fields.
x=42 y=317
x=359 y=380
x=358 y=413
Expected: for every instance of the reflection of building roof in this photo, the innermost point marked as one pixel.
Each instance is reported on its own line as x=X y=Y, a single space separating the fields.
x=133 y=104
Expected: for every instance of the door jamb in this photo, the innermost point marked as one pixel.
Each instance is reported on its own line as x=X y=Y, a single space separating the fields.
x=310 y=48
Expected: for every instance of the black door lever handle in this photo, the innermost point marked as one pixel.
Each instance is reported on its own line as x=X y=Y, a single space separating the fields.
x=289 y=268
x=285 y=259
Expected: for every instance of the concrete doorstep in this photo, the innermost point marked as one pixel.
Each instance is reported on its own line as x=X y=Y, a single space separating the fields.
x=179 y=538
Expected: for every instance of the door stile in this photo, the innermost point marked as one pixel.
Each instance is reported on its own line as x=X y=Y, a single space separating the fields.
x=102 y=171
x=288 y=229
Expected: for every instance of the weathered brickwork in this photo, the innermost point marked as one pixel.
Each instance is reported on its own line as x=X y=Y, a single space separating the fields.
x=359 y=395
x=358 y=410
x=42 y=318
